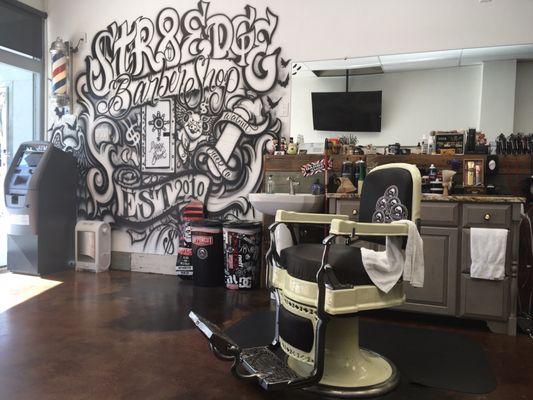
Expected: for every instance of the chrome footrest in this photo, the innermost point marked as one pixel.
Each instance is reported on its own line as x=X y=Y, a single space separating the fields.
x=272 y=373
x=222 y=345
x=257 y=363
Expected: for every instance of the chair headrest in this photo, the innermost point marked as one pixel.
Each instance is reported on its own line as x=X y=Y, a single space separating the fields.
x=391 y=192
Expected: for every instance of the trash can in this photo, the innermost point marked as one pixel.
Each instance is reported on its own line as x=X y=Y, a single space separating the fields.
x=194 y=211
x=207 y=253
x=242 y=250
x=93 y=246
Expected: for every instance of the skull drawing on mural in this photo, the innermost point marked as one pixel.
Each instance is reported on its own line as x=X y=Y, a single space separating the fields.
x=193 y=128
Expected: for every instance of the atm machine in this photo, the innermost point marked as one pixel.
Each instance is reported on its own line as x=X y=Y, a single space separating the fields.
x=40 y=197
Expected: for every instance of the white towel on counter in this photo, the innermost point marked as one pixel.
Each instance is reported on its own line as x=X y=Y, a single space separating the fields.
x=487 y=251
x=386 y=267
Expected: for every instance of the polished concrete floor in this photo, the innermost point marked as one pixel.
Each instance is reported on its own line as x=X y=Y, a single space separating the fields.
x=121 y=335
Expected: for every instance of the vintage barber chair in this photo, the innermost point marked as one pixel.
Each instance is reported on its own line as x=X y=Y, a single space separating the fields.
x=320 y=289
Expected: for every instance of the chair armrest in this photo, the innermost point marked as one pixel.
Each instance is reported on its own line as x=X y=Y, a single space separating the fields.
x=351 y=228
x=307 y=218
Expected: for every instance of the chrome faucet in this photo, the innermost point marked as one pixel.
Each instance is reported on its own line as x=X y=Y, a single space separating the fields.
x=292 y=184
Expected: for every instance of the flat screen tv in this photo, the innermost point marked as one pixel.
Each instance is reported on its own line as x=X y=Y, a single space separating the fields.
x=347 y=111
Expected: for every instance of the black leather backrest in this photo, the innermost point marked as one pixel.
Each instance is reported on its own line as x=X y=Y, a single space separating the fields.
x=387 y=196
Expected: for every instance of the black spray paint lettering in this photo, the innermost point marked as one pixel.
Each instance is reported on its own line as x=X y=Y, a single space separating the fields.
x=142 y=204
x=130 y=52
x=158 y=151
x=196 y=78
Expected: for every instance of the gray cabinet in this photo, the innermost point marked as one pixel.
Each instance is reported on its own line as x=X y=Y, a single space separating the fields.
x=440 y=276
x=493 y=301
x=448 y=288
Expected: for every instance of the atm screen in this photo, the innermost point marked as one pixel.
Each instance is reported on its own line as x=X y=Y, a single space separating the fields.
x=20 y=180
x=30 y=159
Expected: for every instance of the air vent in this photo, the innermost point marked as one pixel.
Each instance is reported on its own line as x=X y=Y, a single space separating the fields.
x=351 y=72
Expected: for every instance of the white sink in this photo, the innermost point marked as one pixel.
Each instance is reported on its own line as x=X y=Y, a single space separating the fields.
x=301 y=202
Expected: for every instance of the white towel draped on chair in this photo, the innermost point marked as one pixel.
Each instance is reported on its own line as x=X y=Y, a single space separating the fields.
x=385 y=268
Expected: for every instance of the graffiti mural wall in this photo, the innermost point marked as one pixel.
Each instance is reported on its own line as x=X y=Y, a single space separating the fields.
x=170 y=110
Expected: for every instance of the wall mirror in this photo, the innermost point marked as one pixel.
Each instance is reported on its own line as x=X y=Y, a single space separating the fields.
x=400 y=97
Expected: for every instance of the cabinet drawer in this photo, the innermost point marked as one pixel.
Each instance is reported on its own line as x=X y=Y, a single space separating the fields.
x=495 y=215
x=484 y=299
x=466 y=260
x=433 y=213
x=349 y=208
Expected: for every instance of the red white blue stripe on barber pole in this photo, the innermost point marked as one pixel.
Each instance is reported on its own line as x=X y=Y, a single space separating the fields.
x=59 y=73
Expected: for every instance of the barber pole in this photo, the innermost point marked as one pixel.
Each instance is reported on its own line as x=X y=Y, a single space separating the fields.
x=59 y=73
x=59 y=52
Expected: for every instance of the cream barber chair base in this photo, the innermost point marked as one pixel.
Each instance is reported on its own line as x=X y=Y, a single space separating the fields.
x=349 y=371
x=319 y=291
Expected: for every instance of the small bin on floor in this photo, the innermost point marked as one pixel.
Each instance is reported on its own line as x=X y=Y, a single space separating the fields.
x=194 y=211
x=207 y=256
x=93 y=246
x=242 y=250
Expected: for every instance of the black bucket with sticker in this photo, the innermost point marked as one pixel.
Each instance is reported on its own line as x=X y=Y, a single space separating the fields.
x=207 y=253
x=194 y=211
x=242 y=251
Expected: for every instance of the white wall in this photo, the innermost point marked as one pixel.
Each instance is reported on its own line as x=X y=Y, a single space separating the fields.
x=414 y=103
x=497 y=98
x=315 y=29
x=523 y=113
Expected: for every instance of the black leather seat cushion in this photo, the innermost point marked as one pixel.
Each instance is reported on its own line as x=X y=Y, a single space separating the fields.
x=303 y=262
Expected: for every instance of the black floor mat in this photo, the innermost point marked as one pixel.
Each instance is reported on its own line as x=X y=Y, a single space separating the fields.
x=426 y=357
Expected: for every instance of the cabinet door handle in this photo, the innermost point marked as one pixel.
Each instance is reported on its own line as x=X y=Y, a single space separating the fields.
x=487 y=217
x=355 y=211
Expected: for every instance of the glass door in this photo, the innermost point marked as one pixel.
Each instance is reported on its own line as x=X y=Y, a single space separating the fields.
x=20 y=121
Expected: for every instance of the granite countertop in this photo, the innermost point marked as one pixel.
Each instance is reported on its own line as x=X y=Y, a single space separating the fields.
x=466 y=198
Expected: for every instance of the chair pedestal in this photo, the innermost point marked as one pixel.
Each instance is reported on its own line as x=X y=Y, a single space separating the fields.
x=349 y=371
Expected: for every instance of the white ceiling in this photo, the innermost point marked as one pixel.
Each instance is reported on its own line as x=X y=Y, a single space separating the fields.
x=417 y=61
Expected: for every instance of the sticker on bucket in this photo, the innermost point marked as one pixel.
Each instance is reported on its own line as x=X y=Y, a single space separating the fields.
x=202 y=240
x=202 y=253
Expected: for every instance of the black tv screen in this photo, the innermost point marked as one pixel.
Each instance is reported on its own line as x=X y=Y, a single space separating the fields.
x=347 y=111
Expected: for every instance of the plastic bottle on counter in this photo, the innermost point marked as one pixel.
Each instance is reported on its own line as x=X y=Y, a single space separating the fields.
x=317 y=188
x=470 y=174
x=424 y=144
x=292 y=148
x=477 y=176
x=432 y=173
x=327 y=149
x=361 y=168
x=270 y=185
x=431 y=145
x=283 y=146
